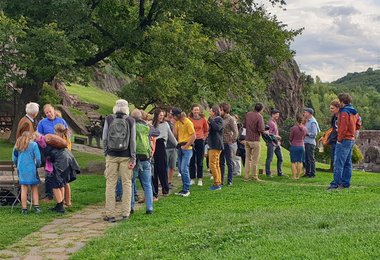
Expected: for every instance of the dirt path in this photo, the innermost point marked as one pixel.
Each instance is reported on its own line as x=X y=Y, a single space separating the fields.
x=60 y=238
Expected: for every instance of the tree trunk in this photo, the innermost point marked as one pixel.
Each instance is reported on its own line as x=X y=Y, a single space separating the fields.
x=30 y=93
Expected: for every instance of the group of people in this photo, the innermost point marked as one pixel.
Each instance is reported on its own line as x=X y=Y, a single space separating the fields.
x=44 y=145
x=153 y=146
x=139 y=147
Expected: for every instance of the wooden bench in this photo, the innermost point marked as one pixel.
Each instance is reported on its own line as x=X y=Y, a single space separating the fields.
x=80 y=140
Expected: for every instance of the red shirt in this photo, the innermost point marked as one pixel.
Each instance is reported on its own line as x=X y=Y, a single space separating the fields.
x=201 y=127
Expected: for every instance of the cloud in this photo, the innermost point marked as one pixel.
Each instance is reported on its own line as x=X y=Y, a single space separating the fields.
x=339 y=36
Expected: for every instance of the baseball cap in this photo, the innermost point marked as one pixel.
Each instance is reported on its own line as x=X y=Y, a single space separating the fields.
x=310 y=110
x=176 y=111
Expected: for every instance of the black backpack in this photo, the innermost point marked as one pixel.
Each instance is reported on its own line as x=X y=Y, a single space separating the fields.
x=118 y=134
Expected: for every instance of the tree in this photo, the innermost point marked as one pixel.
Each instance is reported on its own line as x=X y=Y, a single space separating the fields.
x=168 y=47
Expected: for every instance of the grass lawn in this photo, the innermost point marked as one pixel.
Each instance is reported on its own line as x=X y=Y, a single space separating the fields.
x=276 y=218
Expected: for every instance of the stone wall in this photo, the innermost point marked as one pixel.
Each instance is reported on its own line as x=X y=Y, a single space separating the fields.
x=369 y=144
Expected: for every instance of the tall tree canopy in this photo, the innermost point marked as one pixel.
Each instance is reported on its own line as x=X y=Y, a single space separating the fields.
x=175 y=51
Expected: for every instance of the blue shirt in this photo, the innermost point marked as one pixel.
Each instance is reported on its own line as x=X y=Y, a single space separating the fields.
x=26 y=162
x=46 y=126
x=312 y=131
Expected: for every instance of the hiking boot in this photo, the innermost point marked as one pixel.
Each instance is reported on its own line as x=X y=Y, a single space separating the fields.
x=24 y=211
x=109 y=219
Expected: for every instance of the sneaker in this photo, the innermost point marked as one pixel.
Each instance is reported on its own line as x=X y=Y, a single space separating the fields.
x=109 y=219
x=269 y=175
x=179 y=193
x=256 y=179
x=132 y=211
x=215 y=187
x=200 y=183
x=185 y=194
x=37 y=209
x=229 y=184
x=155 y=199
x=118 y=198
x=141 y=201
x=24 y=211
x=149 y=212
x=179 y=175
x=192 y=182
x=212 y=177
x=332 y=188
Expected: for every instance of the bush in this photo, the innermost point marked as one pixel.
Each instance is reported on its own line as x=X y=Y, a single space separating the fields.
x=356 y=155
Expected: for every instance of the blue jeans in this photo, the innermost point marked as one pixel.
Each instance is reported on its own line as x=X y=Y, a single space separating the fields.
x=343 y=164
x=277 y=151
x=142 y=170
x=184 y=157
x=119 y=187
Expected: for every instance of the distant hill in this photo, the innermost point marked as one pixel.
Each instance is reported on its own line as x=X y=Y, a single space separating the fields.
x=366 y=79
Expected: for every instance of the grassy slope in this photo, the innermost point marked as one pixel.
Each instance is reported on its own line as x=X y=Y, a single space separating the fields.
x=94 y=95
x=277 y=218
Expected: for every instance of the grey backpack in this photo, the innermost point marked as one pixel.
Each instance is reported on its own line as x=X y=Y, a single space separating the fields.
x=118 y=134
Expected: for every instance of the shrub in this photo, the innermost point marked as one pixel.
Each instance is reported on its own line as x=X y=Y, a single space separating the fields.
x=49 y=96
x=356 y=155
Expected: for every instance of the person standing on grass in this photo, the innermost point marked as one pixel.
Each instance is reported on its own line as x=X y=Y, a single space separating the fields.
x=185 y=134
x=27 y=158
x=44 y=127
x=333 y=137
x=201 y=131
x=160 y=162
x=349 y=122
x=215 y=143
x=274 y=148
x=27 y=123
x=236 y=158
x=171 y=151
x=254 y=125
x=63 y=132
x=297 y=150
x=310 y=143
x=142 y=168
x=119 y=138
x=230 y=133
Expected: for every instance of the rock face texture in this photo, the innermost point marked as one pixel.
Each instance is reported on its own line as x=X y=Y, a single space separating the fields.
x=286 y=90
x=109 y=82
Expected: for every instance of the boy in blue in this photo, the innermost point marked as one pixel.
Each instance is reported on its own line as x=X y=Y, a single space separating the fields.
x=26 y=156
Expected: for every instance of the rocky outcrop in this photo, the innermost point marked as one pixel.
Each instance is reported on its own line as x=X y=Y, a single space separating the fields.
x=286 y=90
x=106 y=80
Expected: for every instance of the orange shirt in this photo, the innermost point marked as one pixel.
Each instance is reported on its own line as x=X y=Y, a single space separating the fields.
x=201 y=127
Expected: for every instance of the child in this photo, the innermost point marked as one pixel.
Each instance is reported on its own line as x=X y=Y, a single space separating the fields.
x=63 y=132
x=27 y=157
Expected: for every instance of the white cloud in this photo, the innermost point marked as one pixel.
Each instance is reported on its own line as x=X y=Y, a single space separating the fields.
x=339 y=36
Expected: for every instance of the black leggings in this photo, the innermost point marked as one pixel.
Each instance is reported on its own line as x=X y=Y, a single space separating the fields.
x=196 y=162
x=160 y=171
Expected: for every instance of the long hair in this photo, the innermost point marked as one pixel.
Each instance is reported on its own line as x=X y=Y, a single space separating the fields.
x=23 y=141
x=155 y=116
x=200 y=111
x=61 y=131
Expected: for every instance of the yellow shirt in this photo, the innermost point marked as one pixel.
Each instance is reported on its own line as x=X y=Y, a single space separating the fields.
x=185 y=130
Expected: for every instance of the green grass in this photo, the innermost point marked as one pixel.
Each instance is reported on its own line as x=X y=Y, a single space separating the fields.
x=94 y=95
x=84 y=159
x=279 y=218
x=86 y=190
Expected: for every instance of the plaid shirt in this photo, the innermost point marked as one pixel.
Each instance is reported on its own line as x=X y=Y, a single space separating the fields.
x=230 y=130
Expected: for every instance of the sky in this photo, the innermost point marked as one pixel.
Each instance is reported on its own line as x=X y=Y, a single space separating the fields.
x=339 y=36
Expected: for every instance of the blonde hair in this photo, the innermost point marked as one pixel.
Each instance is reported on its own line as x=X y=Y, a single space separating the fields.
x=335 y=103
x=61 y=131
x=23 y=141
